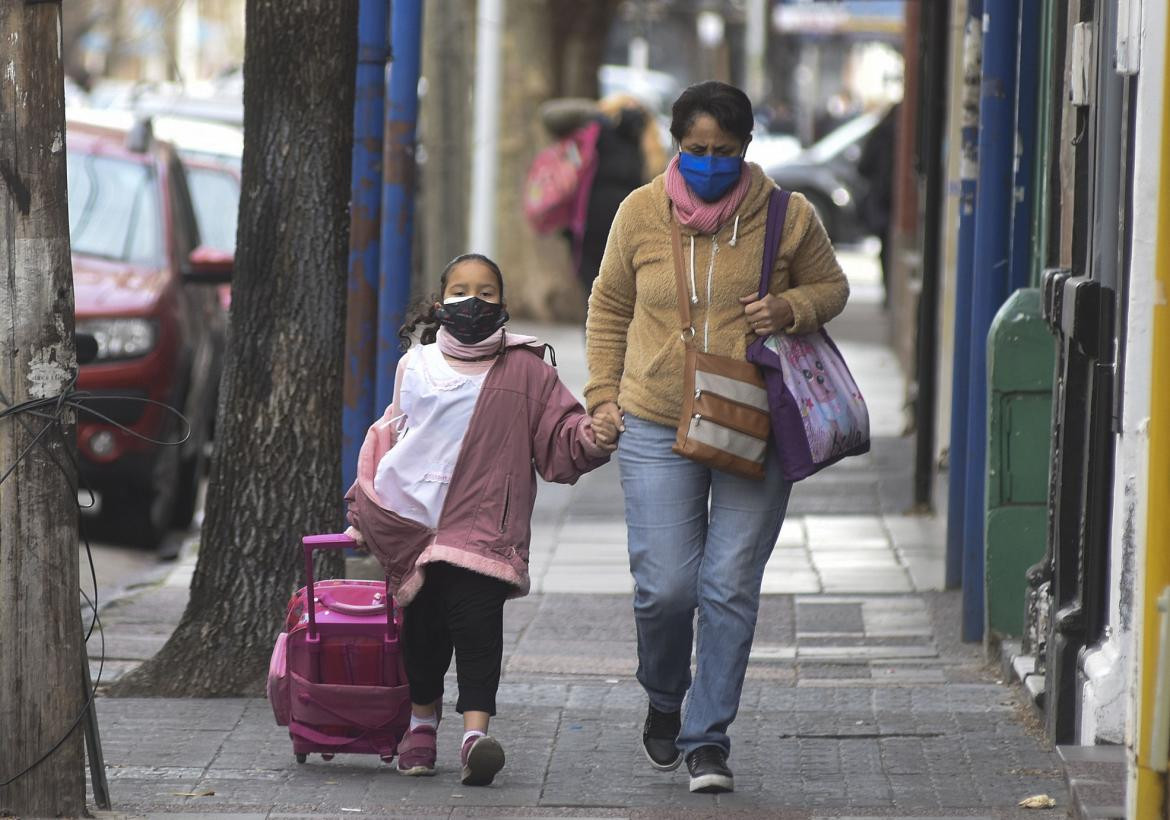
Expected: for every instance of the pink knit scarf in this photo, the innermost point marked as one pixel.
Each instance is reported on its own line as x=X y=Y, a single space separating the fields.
x=458 y=350
x=694 y=213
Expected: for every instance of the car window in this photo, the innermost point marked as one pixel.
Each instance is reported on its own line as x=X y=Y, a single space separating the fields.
x=216 y=197
x=114 y=209
x=840 y=138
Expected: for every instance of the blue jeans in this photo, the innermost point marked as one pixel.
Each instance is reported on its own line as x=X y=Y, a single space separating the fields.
x=698 y=538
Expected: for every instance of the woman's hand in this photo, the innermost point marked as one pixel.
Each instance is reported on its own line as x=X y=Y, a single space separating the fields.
x=608 y=425
x=766 y=316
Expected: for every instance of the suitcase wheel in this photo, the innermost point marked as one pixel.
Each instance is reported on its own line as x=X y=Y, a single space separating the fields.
x=388 y=759
x=302 y=758
x=326 y=757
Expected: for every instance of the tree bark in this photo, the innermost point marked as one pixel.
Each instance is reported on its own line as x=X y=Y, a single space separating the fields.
x=578 y=42
x=274 y=474
x=40 y=629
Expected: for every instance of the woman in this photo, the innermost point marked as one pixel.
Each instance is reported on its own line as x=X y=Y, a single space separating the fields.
x=698 y=538
x=629 y=153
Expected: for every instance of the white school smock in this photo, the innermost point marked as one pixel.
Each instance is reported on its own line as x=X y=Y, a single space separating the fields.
x=437 y=402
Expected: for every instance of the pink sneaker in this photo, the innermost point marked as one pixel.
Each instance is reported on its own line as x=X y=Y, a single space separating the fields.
x=416 y=752
x=482 y=757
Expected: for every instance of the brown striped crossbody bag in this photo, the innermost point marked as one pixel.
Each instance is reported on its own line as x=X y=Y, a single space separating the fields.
x=725 y=421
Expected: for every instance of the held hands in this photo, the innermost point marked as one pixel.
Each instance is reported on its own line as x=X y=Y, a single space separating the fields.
x=608 y=425
x=766 y=316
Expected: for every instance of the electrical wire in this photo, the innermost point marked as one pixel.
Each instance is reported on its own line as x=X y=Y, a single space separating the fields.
x=52 y=410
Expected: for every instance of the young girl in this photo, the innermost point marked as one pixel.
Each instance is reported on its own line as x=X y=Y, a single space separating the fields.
x=444 y=495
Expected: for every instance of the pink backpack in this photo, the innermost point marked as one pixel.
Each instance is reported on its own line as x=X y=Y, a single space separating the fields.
x=556 y=190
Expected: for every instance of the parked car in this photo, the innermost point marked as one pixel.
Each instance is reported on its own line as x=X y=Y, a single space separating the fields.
x=210 y=153
x=770 y=150
x=144 y=291
x=826 y=173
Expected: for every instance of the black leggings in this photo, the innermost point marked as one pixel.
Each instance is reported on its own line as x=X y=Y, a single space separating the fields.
x=462 y=611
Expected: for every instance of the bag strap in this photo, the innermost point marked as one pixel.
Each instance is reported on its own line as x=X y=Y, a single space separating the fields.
x=680 y=278
x=777 y=212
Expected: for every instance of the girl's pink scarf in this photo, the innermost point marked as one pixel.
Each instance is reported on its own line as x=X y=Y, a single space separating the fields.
x=458 y=350
x=694 y=213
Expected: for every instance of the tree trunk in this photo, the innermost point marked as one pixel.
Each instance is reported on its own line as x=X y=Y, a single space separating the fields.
x=578 y=43
x=541 y=283
x=40 y=629
x=274 y=475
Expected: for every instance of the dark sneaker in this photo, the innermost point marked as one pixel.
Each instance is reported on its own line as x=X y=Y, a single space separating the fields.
x=416 y=752
x=658 y=739
x=709 y=772
x=482 y=757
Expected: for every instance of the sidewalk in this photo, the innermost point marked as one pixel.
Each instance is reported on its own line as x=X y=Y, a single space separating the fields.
x=859 y=699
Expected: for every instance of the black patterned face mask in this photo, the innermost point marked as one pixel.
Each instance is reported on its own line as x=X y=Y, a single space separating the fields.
x=471 y=319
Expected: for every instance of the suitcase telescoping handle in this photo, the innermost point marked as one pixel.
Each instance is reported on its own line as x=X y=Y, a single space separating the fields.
x=333 y=541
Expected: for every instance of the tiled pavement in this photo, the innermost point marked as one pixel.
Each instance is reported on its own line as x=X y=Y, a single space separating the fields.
x=859 y=700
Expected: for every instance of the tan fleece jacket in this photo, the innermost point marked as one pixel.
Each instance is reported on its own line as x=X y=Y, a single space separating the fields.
x=633 y=344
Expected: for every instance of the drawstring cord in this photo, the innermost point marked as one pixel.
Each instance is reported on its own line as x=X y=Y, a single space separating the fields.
x=710 y=277
x=735 y=232
x=694 y=290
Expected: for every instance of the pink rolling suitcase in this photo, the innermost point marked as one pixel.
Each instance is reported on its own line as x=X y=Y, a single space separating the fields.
x=336 y=678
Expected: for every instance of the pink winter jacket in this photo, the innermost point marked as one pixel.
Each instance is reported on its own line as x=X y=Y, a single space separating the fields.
x=525 y=421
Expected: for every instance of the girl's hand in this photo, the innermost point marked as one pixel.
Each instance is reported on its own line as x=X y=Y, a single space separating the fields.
x=766 y=316
x=605 y=435
x=608 y=425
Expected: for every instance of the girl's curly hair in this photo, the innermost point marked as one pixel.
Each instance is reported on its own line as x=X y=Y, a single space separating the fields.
x=424 y=313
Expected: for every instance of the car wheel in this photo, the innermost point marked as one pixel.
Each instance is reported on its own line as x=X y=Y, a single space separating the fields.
x=142 y=515
x=187 y=492
x=824 y=209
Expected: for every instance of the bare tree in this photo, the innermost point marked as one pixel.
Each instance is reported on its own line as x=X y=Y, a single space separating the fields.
x=274 y=475
x=40 y=628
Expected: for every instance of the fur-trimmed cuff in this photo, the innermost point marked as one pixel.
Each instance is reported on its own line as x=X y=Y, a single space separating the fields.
x=491 y=567
x=410 y=586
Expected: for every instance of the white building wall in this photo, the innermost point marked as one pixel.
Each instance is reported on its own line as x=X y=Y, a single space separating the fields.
x=1108 y=688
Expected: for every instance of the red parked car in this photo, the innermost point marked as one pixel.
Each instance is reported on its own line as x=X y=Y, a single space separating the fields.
x=144 y=288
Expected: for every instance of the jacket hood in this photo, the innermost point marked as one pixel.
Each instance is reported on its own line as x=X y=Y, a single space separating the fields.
x=755 y=204
x=520 y=340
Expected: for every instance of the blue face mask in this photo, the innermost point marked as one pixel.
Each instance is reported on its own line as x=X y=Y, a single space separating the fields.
x=710 y=177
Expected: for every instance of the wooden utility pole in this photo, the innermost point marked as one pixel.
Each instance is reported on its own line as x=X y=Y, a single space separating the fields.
x=40 y=651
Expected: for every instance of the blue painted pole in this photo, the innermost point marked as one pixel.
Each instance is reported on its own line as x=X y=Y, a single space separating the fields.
x=1027 y=120
x=965 y=258
x=361 y=316
x=398 y=183
x=992 y=251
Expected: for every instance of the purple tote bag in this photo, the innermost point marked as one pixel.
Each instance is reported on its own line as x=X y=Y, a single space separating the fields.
x=818 y=414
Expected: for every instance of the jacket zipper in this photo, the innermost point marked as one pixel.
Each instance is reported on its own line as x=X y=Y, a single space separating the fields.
x=710 y=277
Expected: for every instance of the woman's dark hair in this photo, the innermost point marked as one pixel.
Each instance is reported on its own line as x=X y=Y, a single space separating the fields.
x=730 y=107
x=424 y=313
